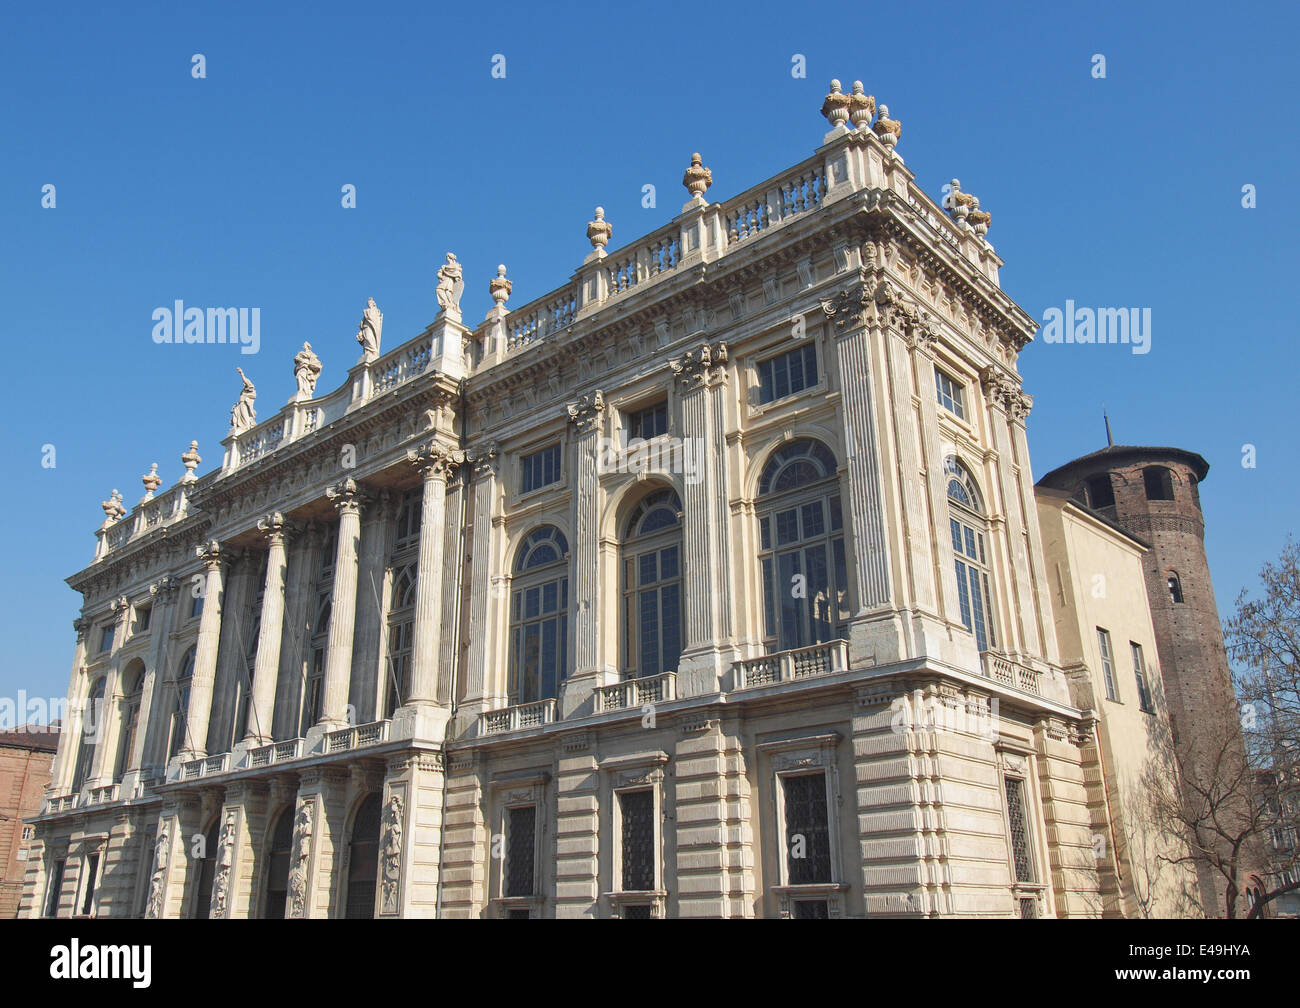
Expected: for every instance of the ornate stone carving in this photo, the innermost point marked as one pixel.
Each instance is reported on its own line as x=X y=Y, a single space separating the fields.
x=894 y=309
x=242 y=414
x=1002 y=390
x=274 y=526
x=346 y=496
x=113 y=509
x=485 y=458
x=306 y=369
x=836 y=106
x=699 y=367
x=862 y=106
x=587 y=410
x=450 y=285
x=225 y=856
x=846 y=307
x=370 y=330
x=392 y=855
x=599 y=231
x=209 y=553
x=500 y=287
x=979 y=219
x=152 y=481
x=157 y=883
x=889 y=130
x=302 y=833
x=191 y=460
x=697 y=178
x=433 y=459
x=165 y=588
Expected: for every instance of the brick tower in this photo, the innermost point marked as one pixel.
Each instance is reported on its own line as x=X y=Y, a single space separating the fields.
x=1153 y=494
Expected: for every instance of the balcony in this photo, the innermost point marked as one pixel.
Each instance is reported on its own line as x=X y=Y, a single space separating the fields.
x=786 y=666
x=356 y=736
x=529 y=715
x=636 y=692
x=1009 y=672
x=276 y=752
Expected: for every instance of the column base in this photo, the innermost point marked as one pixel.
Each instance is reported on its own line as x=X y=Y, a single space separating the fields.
x=420 y=721
x=704 y=670
x=577 y=693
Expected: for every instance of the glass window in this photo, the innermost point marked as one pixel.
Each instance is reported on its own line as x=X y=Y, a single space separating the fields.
x=91 y=727
x=92 y=880
x=541 y=468
x=636 y=809
x=401 y=639
x=1107 y=664
x=196 y=606
x=1175 y=588
x=363 y=860
x=648 y=422
x=56 y=888
x=951 y=394
x=539 y=616
x=1021 y=859
x=1140 y=674
x=106 y=639
x=521 y=851
x=180 y=712
x=807 y=830
x=802 y=551
x=133 y=695
x=652 y=586
x=787 y=373
x=142 y=616
x=968 y=529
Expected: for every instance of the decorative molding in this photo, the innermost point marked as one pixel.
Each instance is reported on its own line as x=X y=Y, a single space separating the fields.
x=586 y=412
x=697 y=368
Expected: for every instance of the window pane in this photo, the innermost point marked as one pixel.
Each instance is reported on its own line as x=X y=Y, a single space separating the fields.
x=963 y=595
x=649 y=632
x=672 y=620
x=1020 y=860
x=787 y=527
x=793 y=633
x=521 y=826
x=807 y=834
x=648 y=568
x=638 y=840
x=814 y=522
x=668 y=562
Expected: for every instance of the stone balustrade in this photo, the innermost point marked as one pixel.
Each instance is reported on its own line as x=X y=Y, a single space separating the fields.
x=634 y=693
x=1009 y=672
x=529 y=715
x=797 y=663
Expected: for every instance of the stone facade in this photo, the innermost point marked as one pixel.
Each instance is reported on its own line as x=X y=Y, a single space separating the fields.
x=677 y=591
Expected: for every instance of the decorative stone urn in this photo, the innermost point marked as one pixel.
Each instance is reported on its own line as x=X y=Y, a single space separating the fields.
x=862 y=106
x=500 y=287
x=979 y=219
x=836 y=106
x=697 y=178
x=889 y=130
x=599 y=231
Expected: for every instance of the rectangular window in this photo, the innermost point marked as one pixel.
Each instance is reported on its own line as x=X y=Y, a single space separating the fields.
x=142 y=616
x=27 y=832
x=1140 y=673
x=196 y=606
x=807 y=830
x=56 y=888
x=92 y=877
x=637 y=810
x=106 y=639
x=649 y=422
x=541 y=468
x=951 y=394
x=787 y=374
x=1107 y=664
x=521 y=830
x=1021 y=860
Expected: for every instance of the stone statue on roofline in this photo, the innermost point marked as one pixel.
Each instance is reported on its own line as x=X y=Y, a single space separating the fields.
x=242 y=414
x=450 y=284
x=372 y=326
x=306 y=369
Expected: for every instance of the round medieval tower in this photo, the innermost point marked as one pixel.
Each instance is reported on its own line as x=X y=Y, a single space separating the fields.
x=1153 y=493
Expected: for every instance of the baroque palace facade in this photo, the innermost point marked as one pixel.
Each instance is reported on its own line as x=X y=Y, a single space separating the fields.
x=710 y=584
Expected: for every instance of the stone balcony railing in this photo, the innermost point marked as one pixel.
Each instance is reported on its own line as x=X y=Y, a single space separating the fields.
x=1009 y=672
x=635 y=693
x=356 y=736
x=529 y=715
x=785 y=666
x=60 y=803
x=275 y=752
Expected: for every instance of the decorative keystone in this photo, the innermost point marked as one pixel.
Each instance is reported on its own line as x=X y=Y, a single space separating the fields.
x=599 y=231
x=697 y=178
x=836 y=106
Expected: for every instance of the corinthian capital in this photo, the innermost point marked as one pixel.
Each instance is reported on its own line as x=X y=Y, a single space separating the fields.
x=699 y=367
x=485 y=458
x=847 y=306
x=275 y=526
x=1003 y=391
x=210 y=554
x=346 y=496
x=587 y=410
x=433 y=460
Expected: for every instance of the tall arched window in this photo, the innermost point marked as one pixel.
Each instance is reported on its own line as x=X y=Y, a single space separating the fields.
x=1175 y=587
x=401 y=634
x=181 y=709
x=207 y=872
x=801 y=540
x=363 y=860
x=969 y=530
x=539 y=616
x=652 y=586
x=277 y=869
x=132 y=695
x=91 y=725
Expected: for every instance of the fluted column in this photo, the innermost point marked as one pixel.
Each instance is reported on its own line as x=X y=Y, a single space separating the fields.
x=144 y=756
x=205 y=654
x=434 y=463
x=109 y=717
x=65 y=758
x=489 y=595
x=266 y=666
x=347 y=498
x=587 y=416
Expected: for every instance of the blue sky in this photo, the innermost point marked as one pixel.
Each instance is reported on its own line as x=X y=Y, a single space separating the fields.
x=226 y=191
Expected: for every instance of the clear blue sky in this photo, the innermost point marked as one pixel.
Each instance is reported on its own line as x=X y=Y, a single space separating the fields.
x=226 y=191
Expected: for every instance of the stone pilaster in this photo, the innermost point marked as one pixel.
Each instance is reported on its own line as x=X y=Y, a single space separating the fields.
x=320 y=824
x=266 y=666
x=109 y=719
x=300 y=600
x=347 y=498
x=489 y=593
x=368 y=675
x=170 y=865
x=65 y=759
x=240 y=840
x=577 y=829
x=464 y=875
x=587 y=417
x=411 y=836
x=709 y=644
x=205 y=655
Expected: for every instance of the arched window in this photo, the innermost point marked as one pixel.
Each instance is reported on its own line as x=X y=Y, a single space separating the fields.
x=132 y=695
x=968 y=528
x=652 y=586
x=277 y=869
x=181 y=709
x=1159 y=483
x=401 y=635
x=539 y=616
x=91 y=726
x=1101 y=492
x=801 y=534
x=1175 y=588
x=363 y=860
x=207 y=872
